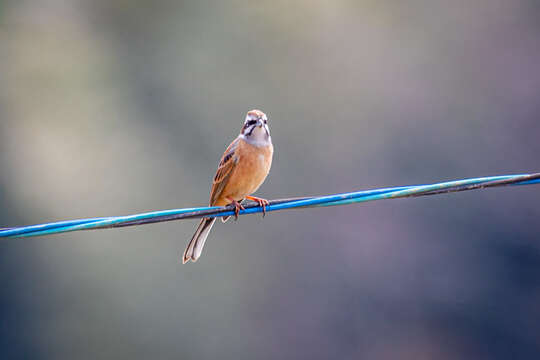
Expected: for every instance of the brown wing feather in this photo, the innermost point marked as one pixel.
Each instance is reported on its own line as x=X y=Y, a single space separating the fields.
x=226 y=165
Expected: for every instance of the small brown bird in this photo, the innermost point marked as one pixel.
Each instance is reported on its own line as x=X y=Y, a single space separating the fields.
x=242 y=169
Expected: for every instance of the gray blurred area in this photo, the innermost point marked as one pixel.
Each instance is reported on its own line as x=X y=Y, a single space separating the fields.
x=112 y=107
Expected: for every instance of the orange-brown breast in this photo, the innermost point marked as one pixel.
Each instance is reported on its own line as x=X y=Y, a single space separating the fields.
x=251 y=168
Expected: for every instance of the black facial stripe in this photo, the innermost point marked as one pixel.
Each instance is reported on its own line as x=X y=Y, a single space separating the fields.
x=251 y=122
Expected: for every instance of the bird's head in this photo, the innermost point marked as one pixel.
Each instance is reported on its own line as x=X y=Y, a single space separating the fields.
x=255 y=129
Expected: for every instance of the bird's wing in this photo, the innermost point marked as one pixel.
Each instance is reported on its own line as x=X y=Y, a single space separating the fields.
x=226 y=165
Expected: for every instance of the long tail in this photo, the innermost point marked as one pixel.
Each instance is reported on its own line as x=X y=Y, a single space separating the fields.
x=196 y=244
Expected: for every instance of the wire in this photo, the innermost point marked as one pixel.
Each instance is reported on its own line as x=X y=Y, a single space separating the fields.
x=275 y=205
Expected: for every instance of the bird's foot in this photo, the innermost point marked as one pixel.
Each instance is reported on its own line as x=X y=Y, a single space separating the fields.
x=262 y=202
x=237 y=207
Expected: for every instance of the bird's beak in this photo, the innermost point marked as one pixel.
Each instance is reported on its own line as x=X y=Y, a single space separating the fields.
x=260 y=123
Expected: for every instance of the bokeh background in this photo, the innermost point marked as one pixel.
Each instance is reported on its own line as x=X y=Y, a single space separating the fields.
x=112 y=107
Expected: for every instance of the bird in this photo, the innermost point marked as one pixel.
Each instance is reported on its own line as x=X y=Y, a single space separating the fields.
x=241 y=171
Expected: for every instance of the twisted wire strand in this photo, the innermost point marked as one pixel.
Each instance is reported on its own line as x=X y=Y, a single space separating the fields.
x=275 y=205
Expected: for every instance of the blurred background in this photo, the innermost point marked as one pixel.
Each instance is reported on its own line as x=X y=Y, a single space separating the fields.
x=112 y=107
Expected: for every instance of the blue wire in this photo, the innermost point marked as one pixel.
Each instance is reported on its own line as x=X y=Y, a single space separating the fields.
x=329 y=200
x=32 y=228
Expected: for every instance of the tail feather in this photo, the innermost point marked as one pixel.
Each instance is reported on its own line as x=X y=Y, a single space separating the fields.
x=196 y=244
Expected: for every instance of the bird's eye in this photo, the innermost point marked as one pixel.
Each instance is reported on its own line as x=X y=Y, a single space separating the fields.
x=265 y=121
x=251 y=122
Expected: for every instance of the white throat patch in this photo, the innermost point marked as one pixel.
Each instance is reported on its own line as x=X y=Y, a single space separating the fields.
x=259 y=137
